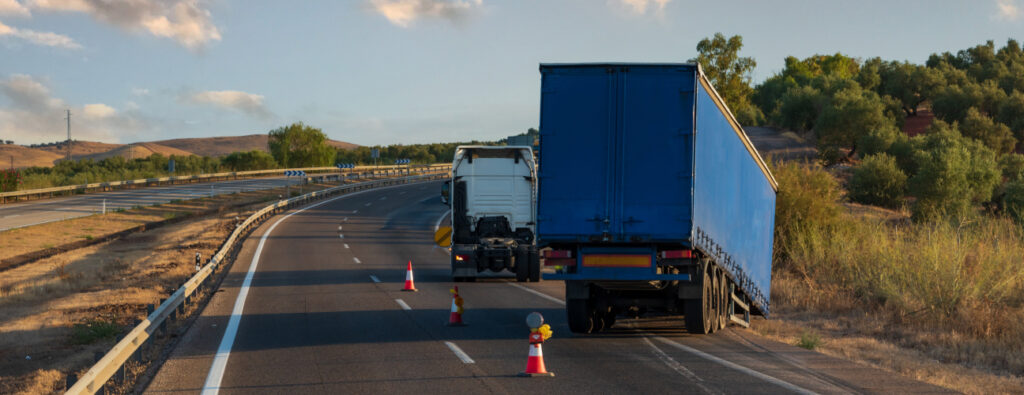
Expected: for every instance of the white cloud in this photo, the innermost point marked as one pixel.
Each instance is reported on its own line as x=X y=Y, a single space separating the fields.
x=1008 y=10
x=248 y=103
x=184 y=21
x=13 y=8
x=641 y=7
x=35 y=116
x=404 y=12
x=140 y=92
x=39 y=38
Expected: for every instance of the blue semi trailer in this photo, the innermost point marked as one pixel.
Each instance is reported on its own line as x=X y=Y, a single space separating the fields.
x=651 y=197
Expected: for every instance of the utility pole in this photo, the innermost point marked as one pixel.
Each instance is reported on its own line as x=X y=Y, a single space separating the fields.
x=69 y=133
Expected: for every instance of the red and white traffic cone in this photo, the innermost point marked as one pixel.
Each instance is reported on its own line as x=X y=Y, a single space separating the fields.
x=535 y=363
x=455 y=317
x=409 y=286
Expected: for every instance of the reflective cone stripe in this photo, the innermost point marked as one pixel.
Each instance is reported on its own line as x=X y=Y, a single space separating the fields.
x=409 y=286
x=455 y=317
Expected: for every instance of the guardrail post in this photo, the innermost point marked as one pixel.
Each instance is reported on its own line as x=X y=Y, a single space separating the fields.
x=70 y=380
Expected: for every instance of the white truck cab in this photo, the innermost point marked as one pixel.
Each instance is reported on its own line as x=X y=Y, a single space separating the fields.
x=493 y=200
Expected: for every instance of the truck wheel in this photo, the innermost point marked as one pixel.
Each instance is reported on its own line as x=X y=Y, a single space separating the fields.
x=522 y=265
x=609 y=320
x=533 y=259
x=581 y=316
x=723 y=292
x=716 y=300
x=698 y=311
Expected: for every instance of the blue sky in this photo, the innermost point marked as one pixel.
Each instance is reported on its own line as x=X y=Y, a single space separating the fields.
x=401 y=71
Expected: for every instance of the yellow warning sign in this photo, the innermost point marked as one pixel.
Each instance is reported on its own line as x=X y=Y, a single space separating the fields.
x=443 y=236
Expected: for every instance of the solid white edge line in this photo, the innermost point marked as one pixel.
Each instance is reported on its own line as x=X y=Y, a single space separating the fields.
x=220 y=360
x=538 y=293
x=459 y=353
x=374 y=278
x=709 y=357
x=734 y=366
x=402 y=303
x=356 y=259
x=368 y=204
x=438 y=224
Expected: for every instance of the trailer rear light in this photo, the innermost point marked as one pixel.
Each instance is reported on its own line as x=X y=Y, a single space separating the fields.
x=677 y=254
x=559 y=262
x=558 y=254
x=461 y=257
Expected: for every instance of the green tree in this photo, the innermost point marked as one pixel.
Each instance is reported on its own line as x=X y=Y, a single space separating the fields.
x=799 y=108
x=850 y=114
x=878 y=181
x=1013 y=200
x=1012 y=167
x=994 y=135
x=911 y=84
x=299 y=145
x=952 y=173
x=879 y=140
x=251 y=160
x=730 y=74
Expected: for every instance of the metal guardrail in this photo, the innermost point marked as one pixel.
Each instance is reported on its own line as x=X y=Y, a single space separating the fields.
x=128 y=347
x=144 y=182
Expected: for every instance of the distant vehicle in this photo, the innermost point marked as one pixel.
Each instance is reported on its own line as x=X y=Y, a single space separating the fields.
x=493 y=195
x=651 y=197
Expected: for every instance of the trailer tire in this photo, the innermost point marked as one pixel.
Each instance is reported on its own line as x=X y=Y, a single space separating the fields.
x=698 y=311
x=580 y=316
x=723 y=299
x=716 y=299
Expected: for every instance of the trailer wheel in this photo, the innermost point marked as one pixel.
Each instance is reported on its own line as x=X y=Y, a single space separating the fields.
x=698 y=311
x=522 y=265
x=723 y=300
x=580 y=315
x=533 y=259
x=609 y=320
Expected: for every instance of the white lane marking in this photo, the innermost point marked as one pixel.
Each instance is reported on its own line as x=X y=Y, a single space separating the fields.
x=356 y=259
x=691 y=350
x=383 y=198
x=459 y=353
x=678 y=367
x=368 y=204
x=740 y=368
x=346 y=245
x=354 y=212
x=220 y=360
x=339 y=227
x=402 y=303
x=341 y=236
x=344 y=219
x=538 y=293
x=374 y=278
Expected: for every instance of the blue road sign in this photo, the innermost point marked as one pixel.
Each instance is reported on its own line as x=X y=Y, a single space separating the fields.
x=346 y=165
x=290 y=173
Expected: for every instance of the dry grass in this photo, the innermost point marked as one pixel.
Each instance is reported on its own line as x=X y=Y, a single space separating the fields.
x=112 y=282
x=940 y=302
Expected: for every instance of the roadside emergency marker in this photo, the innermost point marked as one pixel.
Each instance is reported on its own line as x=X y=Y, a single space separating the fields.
x=455 y=317
x=409 y=286
x=539 y=332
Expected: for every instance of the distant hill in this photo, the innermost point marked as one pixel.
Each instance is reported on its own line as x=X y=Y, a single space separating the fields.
x=221 y=146
x=47 y=155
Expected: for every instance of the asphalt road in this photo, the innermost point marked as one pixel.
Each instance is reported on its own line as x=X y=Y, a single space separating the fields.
x=16 y=215
x=323 y=313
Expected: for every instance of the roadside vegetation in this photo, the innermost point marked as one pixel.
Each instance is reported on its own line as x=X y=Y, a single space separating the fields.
x=891 y=240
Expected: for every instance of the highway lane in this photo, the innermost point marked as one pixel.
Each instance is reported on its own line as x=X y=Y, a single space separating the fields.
x=16 y=215
x=316 y=320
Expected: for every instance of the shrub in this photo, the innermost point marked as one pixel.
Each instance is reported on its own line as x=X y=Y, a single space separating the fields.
x=879 y=140
x=878 y=181
x=1012 y=167
x=1013 y=200
x=93 y=331
x=808 y=200
x=952 y=173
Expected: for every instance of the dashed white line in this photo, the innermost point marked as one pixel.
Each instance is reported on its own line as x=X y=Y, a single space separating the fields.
x=368 y=204
x=346 y=245
x=374 y=278
x=344 y=219
x=355 y=212
x=402 y=303
x=339 y=227
x=383 y=198
x=459 y=353
x=356 y=259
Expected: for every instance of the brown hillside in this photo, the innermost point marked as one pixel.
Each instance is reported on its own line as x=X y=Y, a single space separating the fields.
x=26 y=157
x=138 y=150
x=221 y=146
x=80 y=148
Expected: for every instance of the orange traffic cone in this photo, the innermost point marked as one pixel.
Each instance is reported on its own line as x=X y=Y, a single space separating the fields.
x=535 y=362
x=409 y=286
x=455 y=318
